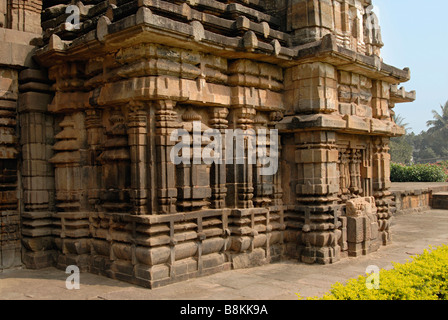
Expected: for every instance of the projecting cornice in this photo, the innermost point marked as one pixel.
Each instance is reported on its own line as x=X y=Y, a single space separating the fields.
x=340 y=123
x=148 y=27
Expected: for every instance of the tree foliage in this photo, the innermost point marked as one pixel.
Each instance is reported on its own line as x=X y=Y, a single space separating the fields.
x=429 y=146
x=401 y=148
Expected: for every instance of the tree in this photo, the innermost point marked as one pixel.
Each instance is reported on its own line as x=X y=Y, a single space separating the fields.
x=432 y=145
x=440 y=122
x=429 y=146
x=401 y=148
x=399 y=120
x=401 y=151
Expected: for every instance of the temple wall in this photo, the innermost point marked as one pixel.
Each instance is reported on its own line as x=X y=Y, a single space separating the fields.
x=25 y=90
x=21 y=15
x=353 y=23
x=10 y=247
x=97 y=183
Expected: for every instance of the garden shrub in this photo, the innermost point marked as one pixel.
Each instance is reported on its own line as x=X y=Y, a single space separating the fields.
x=417 y=173
x=423 y=278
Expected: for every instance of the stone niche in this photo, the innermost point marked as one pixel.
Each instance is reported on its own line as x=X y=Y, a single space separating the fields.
x=100 y=190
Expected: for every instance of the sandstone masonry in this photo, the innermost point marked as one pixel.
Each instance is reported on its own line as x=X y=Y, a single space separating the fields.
x=86 y=114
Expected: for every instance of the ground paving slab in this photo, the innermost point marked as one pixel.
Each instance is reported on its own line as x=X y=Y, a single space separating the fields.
x=412 y=234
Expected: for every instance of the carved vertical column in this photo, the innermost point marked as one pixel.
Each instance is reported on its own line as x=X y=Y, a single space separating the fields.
x=71 y=200
x=317 y=189
x=381 y=185
x=36 y=139
x=9 y=171
x=344 y=174
x=193 y=179
x=367 y=171
x=115 y=161
x=95 y=139
x=137 y=135
x=218 y=121
x=239 y=174
x=359 y=28
x=276 y=226
x=166 y=122
x=274 y=118
x=263 y=185
x=345 y=23
x=24 y=15
x=355 y=172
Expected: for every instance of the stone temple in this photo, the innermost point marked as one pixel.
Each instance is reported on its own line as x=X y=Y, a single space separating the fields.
x=91 y=92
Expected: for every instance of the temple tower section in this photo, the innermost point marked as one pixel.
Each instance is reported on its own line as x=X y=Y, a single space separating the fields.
x=119 y=85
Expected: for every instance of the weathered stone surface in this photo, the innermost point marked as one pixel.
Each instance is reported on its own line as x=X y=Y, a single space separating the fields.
x=96 y=118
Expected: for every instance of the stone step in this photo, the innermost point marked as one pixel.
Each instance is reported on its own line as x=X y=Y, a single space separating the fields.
x=440 y=200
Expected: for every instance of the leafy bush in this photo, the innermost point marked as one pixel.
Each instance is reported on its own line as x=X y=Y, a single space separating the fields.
x=424 y=278
x=444 y=165
x=417 y=173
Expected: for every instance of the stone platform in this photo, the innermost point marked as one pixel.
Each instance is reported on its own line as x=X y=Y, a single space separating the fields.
x=412 y=233
x=92 y=113
x=419 y=196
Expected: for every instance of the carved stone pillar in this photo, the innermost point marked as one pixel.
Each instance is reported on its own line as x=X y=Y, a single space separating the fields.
x=10 y=247
x=240 y=173
x=193 y=178
x=137 y=135
x=317 y=201
x=344 y=174
x=381 y=185
x=277 y=194
x=366 y=171
x=115 y=160
x=166 y=122
x=36 y=139
x=95 y=140
x=218 y=121
x=71 y=201
x=263 y=185
x=355 y=172
x=23 y=15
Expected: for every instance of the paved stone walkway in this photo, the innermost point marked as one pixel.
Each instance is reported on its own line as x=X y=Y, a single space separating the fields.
x=411 y=235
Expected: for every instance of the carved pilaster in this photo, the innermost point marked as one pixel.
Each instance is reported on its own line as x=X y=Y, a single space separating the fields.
x=355 y=172
x=166 y=122
x=36 y=139
x=344 y=174
x=137 y=135
x=274 y=118
x=10 y=246
x=71 y=205
x=263 y=184
x=115 y=161
x=317 y=189
x=218 y=121
x=240 y=173
x=95 y=140
x=193 y=178
x=381 y=185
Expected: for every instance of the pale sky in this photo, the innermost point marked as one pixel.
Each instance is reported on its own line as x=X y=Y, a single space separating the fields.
x=415 y=35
